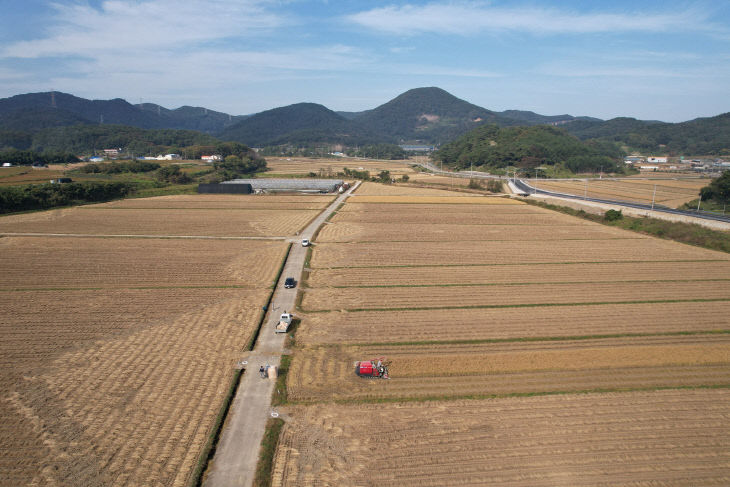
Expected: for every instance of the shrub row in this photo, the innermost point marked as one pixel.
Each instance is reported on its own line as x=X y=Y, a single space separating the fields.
x=43 y=196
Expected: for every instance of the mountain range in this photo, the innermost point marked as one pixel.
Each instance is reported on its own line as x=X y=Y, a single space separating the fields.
x=35 y=111
x=423 y=114
x=429 y=116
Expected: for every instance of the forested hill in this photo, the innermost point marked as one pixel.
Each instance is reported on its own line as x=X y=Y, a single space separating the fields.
x=528 y=147
x=85 y=138
x=700 y=136
x=36 y=111
x=192 y=118
x=531 y=118
x=299 y=124
x=429 y=115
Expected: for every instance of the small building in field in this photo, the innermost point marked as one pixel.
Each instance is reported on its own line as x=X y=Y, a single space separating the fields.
x=212 y=158
x=417 y=148
x=657 y=160
x=275 y=185
x=169 y=157
x=225 y=188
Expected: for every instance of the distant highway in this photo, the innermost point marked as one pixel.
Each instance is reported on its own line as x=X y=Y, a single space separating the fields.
x=527 y=188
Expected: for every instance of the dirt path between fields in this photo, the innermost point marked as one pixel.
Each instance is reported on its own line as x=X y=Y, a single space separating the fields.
x=234 y=463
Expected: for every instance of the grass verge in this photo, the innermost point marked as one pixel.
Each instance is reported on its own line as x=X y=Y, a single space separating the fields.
x=689 y=233
x=267 y=452
x=477 y=341
x=499 y=264
x=532 y=283
x=279 y=396
x=389 y=400
x=206 y=455
x=528 y=305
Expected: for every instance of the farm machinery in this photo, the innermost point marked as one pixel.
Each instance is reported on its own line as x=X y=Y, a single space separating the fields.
x=372 y=369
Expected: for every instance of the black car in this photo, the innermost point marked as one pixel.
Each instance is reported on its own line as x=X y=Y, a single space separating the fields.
x=290 y=282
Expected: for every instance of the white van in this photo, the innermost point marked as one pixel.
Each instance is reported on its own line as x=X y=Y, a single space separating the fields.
x=305 y=242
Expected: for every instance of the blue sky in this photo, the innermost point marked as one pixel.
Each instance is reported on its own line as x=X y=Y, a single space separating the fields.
x=658 y=60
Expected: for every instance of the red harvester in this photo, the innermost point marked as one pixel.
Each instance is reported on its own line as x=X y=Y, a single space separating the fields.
x=372 y=369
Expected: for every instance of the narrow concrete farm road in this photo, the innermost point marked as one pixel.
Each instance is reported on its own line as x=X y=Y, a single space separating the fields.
x=237 y=452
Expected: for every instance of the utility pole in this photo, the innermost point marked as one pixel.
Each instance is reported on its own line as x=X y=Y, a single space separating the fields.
x=653 y=197
x=698 y=202
x=585 y=190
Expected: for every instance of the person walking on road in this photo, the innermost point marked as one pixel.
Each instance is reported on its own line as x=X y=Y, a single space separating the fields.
x=262 y=371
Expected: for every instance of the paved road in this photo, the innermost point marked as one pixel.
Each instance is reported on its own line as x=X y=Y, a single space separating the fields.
x=234 y=463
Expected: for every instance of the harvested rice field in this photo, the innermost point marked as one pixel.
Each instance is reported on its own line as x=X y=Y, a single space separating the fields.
x=614 y=439
x=450 y=211
x=522 y=294
x=670 y=192
x=116 y=388
x=431 y=178
x=446 y=371
x=464 y=275
x=117 y=353
x=398 y=232
x=375 y=189
x=224 y=202
x=513 y=323
x=188 y=215
x=633 y=248
x=518 y=309
x=93 y=263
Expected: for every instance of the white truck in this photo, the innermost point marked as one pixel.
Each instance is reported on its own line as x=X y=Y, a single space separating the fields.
x=284 y=323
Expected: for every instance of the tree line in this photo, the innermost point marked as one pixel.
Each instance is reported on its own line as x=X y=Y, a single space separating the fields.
x=43 y=196
x=29 y=157
x=718 y=190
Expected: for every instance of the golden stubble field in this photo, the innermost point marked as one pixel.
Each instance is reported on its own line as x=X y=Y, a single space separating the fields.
x=519 y=309
x=182 y=215
x=457 y=370
x=671 y=437
x=117 y=352
x=667 y=192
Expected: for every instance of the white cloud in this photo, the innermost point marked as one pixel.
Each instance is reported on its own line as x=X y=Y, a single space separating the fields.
x=471 y=18
x=122 y=25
